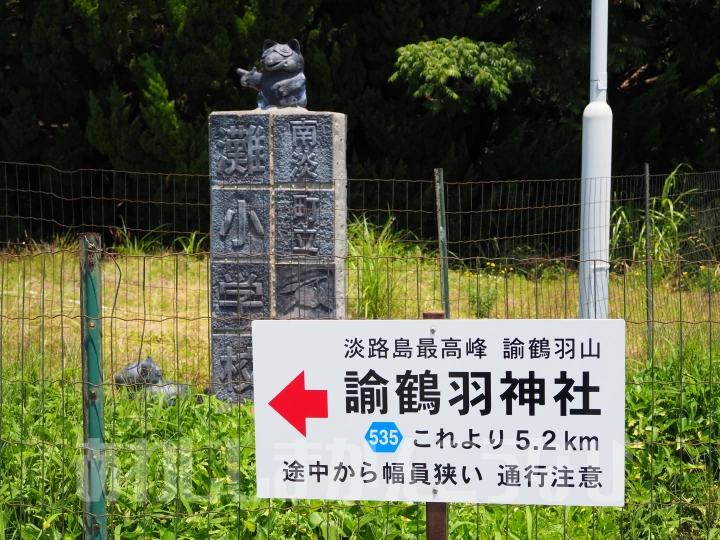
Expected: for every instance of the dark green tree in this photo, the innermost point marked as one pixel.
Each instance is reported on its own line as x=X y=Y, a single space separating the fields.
x=485 y=89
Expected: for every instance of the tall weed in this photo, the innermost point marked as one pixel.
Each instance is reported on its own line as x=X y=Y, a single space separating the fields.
x=670 y=220
x=483 y=288
x=377 y=261
x=192 y=244
x=129 y=243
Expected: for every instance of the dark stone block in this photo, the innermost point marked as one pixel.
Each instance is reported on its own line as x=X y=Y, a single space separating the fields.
x=240 y=222
x=239 y=149
x=303 y=147
x=305 y=223
x=240 y=292
x=232 y=367
x=305 y=291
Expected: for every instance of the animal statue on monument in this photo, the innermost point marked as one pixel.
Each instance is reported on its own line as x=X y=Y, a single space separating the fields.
x=282 y=81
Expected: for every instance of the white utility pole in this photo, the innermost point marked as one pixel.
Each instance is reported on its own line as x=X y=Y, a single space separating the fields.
x=596 y=176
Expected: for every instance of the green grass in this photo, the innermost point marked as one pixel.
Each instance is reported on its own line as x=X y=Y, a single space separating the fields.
x=681 y=224
x=128 y=242
x=199 y=454
x=193 y=244
x=199 y=459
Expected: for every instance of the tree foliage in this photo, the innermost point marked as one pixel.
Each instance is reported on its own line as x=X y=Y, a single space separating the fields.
x=130 y=84
x=449 y=71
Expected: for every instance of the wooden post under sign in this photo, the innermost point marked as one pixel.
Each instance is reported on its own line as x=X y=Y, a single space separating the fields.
x=436 y=513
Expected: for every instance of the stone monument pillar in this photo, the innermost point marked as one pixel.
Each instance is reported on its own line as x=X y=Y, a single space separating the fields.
x=278 y=233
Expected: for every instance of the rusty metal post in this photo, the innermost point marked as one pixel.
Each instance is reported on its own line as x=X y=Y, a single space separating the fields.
x=442 y=240
x=435 y=513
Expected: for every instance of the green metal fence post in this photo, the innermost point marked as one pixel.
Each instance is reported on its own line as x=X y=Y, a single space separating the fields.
x=442 y=239
x=648 y=263
x=93 y=424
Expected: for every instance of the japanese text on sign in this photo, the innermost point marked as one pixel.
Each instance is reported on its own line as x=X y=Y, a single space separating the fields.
x=518 y=412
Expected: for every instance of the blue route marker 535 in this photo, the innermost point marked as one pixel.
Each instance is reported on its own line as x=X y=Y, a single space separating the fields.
x=383 y=437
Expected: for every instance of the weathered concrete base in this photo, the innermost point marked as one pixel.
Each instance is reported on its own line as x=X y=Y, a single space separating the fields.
x=279 y=228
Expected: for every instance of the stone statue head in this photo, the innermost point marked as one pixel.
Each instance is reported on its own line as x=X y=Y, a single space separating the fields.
x=281 y=83
x=282 y=57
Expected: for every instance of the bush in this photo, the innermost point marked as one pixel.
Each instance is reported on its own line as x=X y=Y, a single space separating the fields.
x=483 y=289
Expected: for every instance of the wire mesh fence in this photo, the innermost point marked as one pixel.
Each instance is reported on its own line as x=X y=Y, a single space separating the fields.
x=183 y=466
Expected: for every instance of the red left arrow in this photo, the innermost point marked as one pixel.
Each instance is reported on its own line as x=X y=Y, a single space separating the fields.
x=296 y=405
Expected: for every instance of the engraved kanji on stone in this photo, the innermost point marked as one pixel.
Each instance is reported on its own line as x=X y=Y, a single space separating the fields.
x=304 y=132
x=305 y=292
x=304 y=163
x=242 y=215
x=235 y=148
x=256 y=149
x=243 y=150
x=306 y=212
x=304 y=138
x=306 y=207
x=235 y=369
x=241 y=294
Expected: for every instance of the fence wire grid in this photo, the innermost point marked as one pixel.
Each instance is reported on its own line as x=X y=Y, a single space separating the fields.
x=184 y=467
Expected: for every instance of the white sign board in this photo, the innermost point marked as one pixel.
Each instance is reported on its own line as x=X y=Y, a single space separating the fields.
x=474 y=411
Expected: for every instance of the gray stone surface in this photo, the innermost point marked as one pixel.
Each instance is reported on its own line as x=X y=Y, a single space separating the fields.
x=305 y=291
x=303 y=147
x=240 y=221
x=239 y=148
x=340 y=188
x=232 y=367
x=274 y=273
x=239 y=293
x=304 y=223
